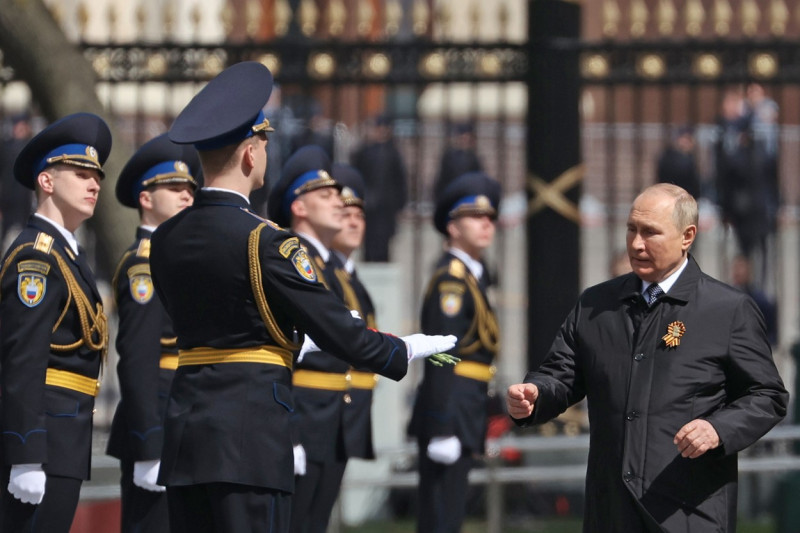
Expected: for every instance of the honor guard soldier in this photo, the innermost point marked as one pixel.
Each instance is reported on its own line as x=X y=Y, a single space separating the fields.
x=241 y=292
x=306 y=199
x=159 y=180
x=54 y=336
x=357 y=419
x=450 y=414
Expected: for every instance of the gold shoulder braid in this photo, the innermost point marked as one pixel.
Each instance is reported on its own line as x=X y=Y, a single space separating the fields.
x=350 y=298
x=254 y=265
x=94 y=323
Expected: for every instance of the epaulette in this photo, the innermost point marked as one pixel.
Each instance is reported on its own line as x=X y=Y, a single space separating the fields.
x=144 y=248
x=43 y=243
x=457 y=269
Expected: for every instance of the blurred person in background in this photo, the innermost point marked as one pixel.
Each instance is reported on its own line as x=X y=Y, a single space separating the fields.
x=16 y=201
x=677 y=163
x=381 y=165
x=459 y=157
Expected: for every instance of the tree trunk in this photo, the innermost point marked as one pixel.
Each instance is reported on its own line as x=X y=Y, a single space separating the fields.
x=62 y=82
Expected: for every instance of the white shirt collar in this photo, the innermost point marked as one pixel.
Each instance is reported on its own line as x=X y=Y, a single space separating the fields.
x=71 y=240
x=323 y=252
x=474 y=266
x=348 y=263
x=220 y=189
x=667 y=284
x=151 y=229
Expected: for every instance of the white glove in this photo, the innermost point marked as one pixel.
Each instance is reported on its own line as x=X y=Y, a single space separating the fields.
x=420 y=345
x=299 y=460
x=26 y=482
x=445 y=450
x=310 y=346
x=145 y=474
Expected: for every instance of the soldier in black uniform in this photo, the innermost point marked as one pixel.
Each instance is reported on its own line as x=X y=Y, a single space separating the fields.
x=160 y=181
x=241 y=292
x=450 y=414
x=306 y=198
x=54 y=335
x=357 y=419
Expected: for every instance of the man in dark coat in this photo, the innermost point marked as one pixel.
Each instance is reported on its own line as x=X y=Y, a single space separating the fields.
x=380 y=163
x=54 y=336
x=458 y=158
x=241 y=292
x=159 y=180
x=16 y=201
x=677 y=163
x=678 y=374
x=450 y=413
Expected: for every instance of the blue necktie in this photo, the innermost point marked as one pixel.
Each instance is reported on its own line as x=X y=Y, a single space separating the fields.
x=653 y=292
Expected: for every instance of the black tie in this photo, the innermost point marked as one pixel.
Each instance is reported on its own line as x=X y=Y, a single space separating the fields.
x=654 y=292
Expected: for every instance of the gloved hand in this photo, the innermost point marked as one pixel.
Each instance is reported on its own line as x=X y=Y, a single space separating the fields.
x=420 y=345
x=26 y=482
x=310 y=346
x=145 y=474
x=445 y=450
x=299 y=460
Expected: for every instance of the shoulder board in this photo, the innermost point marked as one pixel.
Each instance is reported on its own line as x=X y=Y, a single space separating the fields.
x=43 y=243
x=457 y=269
x=288 y=246
x=138 y=270
x=144 y=248
x=268 y=222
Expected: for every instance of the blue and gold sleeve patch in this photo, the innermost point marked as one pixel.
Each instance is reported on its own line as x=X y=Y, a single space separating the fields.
x=32 y=281
x=140 y=283
x=303 y=265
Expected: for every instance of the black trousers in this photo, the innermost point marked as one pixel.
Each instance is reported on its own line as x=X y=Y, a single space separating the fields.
x=314 y=496
x=142 y=510
x=53 y=515
x=228 y=508
x=442 y=493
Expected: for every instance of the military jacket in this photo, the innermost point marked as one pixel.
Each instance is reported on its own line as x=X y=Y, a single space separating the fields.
x=147 y=350
x=234 y=282
x=447 y=403
x=53 y=338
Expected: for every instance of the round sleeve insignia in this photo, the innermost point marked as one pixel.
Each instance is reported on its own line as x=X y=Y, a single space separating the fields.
x=303 y=265
x=141 y=288
x=450 y=303
x=31 y=288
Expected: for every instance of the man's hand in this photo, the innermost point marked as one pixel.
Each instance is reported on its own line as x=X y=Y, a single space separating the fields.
x=445 y=450
x=521 y=398
x=299 y=460
x=696 y=438
x=420 y=345
x=26 y=483
x=145 y=475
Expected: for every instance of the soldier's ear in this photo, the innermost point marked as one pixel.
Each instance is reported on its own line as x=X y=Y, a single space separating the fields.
x=45 y=181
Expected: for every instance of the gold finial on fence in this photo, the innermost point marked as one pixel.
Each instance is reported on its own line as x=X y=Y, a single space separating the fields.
x=707 y=66
x=308 y=15
x=377 y=65
x=751 y=14
x=420 y=15
x=694 y=15
x=336 y=16
x=272 y=62
x=321 y=65
x=595 y=66
x=253 y=11
x=778 y=17
x=651 y=66
x=666 y=16
x=763 y=65
x=393 y=17
x=169 y=18
x=611 y=16
x=639 y=15
x=282 y=13
x=83 y=19
x=226 y=16
x=365 y=16
x=723 y=14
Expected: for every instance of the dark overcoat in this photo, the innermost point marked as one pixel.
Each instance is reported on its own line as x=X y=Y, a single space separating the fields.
x=611 y=349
